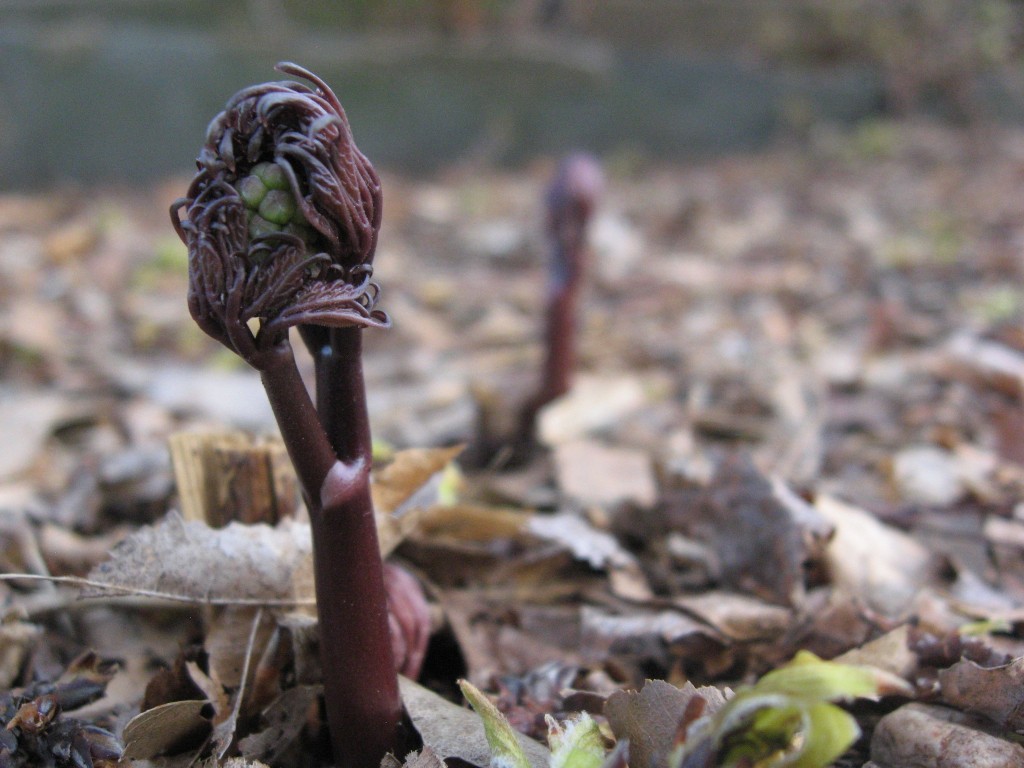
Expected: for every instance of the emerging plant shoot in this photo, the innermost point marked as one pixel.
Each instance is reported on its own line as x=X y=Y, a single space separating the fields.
x=571 y=200
x=281 y=224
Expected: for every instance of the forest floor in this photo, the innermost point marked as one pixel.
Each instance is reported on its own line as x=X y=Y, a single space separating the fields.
x=796 y=424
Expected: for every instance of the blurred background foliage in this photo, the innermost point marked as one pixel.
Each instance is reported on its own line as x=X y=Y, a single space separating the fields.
x=121 y=90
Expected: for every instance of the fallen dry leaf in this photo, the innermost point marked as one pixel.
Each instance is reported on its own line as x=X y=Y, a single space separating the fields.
x=763 y=536
x=496 y=638
x=592 y=403
x=452 y=731
x=595 y=475
x=650 y=718
x=405 y=489
x=30 y=416
x=17 y=638
x=740 y=618
x=282 y=722
x=423 y=758
x=167 y=729
x=599 y=549
x=190 y=561
x=891 y=652
x=883 y=566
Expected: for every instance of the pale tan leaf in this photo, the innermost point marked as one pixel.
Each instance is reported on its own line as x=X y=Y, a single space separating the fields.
x=160 y=730
x=396 y=483
x=597 y=475
x=404 y=489
x=191 y=561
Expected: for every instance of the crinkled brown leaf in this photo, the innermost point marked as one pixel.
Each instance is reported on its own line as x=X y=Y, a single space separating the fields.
x=650 y=718
x=762 y=534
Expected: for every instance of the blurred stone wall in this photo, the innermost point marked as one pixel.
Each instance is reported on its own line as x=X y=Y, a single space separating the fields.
x=121 y=90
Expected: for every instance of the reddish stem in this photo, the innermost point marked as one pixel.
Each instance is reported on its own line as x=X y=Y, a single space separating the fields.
x=571 y=202
x=364 y=708
x=341 y=395
x=308 y=447
x=559 y=343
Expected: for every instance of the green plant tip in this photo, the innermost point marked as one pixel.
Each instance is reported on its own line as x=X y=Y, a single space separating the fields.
x=252 y=190
x=272 y=175
x=278 y=206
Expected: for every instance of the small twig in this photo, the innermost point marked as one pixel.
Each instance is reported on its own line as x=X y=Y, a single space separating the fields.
x=78 y=581
x=240 y=695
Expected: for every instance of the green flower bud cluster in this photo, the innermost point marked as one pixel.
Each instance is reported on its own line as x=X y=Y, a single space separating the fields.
x=270 y=204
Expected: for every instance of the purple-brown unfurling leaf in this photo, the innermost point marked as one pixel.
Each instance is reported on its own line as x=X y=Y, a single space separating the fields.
x=281 y=219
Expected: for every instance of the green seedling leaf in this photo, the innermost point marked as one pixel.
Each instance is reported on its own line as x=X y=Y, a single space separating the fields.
x=383 y=451
x=830 y=733
x=810 y=679
x=272 y=175
x=787 y=718
x=452 y=483
x=575 y=743
x=505 y=749
x=985 y=627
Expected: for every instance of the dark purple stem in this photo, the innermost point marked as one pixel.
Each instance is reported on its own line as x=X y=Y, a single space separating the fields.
x=572 y=198
x=308 y=447
x=560 y=325
x=559 y=344
x=364 y=708
x=341 y=395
